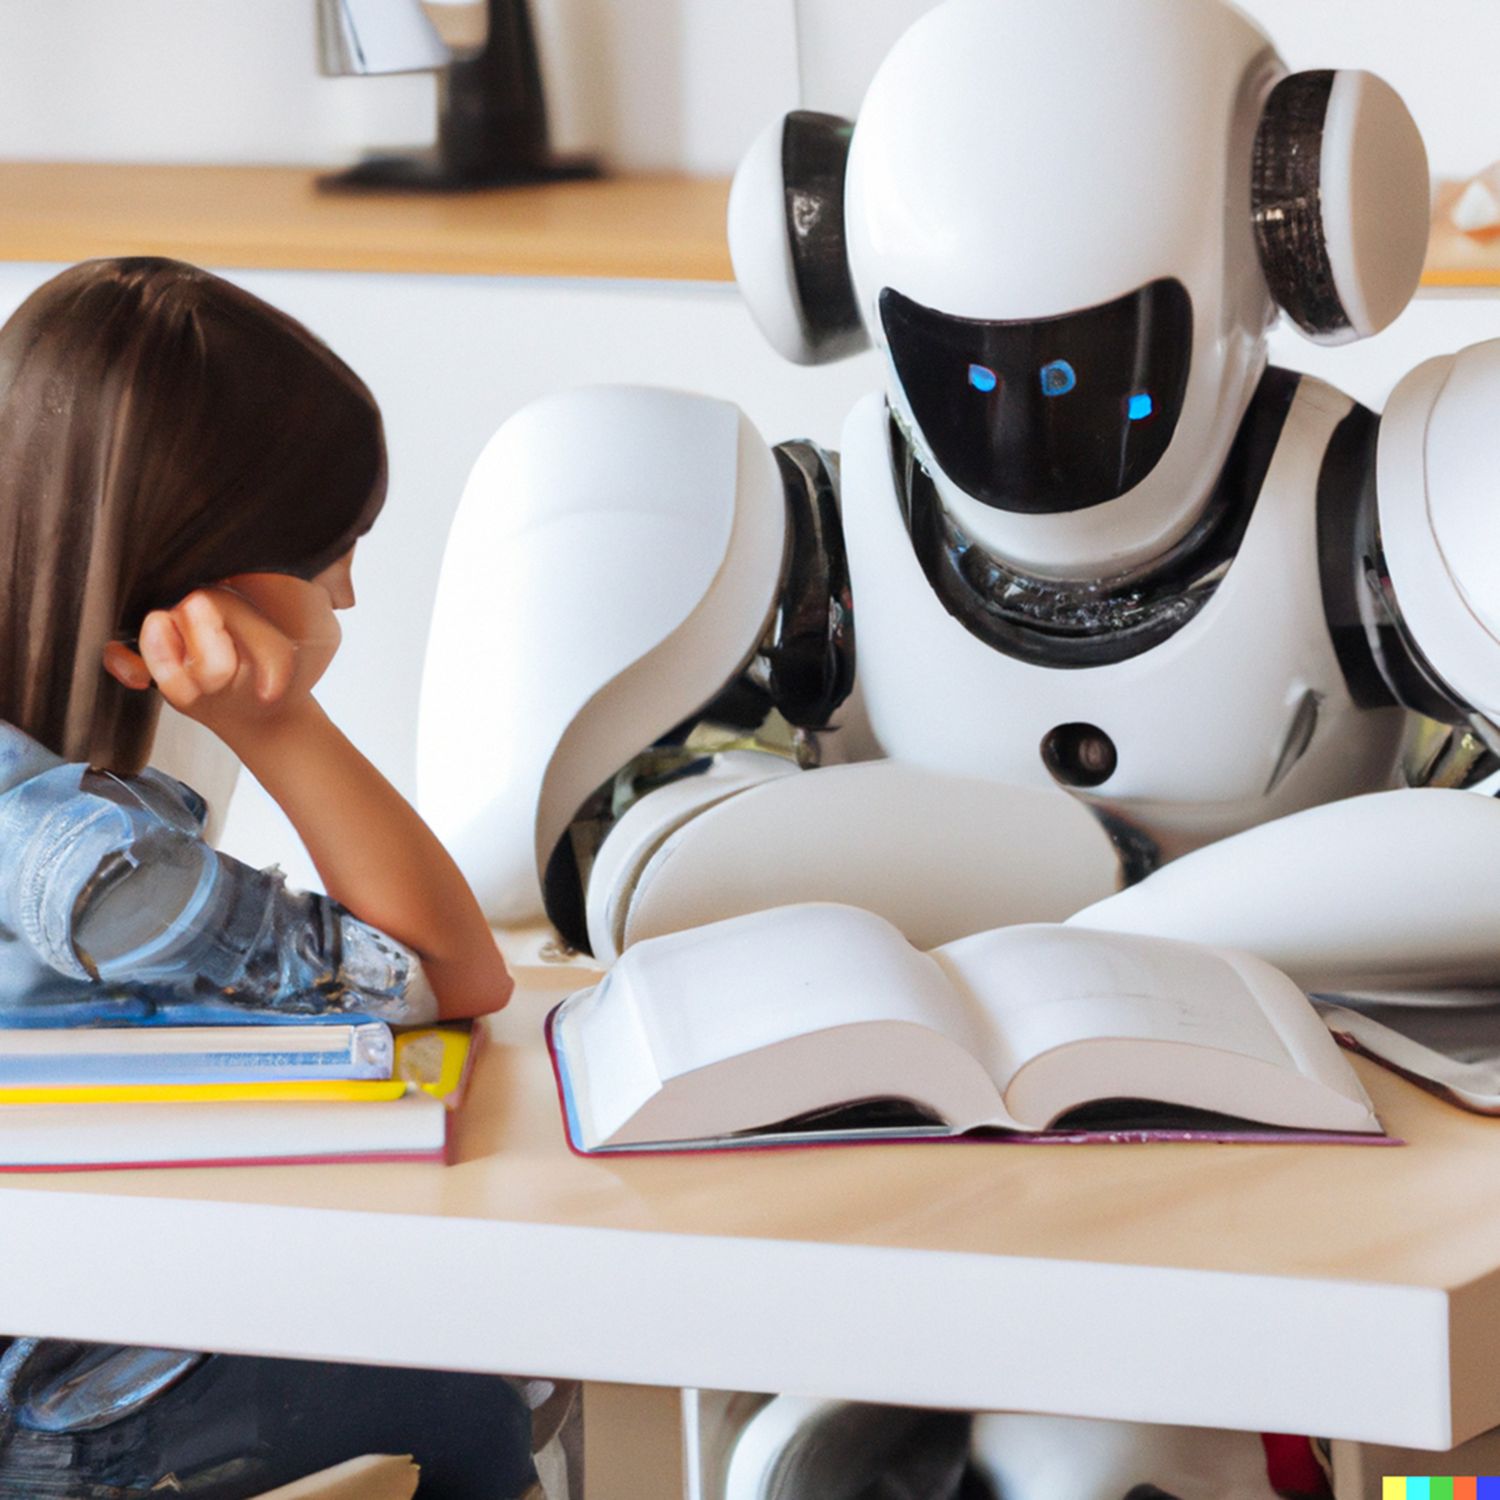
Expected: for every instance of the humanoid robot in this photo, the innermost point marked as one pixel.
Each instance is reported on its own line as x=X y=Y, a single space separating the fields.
x=1095 y=617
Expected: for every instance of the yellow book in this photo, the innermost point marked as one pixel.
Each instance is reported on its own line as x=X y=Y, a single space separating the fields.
x=404 y=1119
x=430 y=1059
x=307 y=1091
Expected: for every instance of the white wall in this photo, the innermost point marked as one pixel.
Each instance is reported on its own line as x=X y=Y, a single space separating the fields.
x=669 y=84
x=653 y=84
x=1440 y=58
x=189 y=80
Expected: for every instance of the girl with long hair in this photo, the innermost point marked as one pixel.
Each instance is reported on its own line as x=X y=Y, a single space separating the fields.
x=184 y=474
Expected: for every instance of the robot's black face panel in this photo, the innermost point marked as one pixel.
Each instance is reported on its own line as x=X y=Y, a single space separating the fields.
x=1051 y=415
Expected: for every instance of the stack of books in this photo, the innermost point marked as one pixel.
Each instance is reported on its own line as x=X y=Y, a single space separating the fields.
x=243 y=1094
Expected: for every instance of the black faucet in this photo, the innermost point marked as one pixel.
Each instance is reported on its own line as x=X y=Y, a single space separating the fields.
x=492 y=112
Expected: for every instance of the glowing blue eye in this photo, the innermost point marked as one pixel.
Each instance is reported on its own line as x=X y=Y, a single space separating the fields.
x=1058 y=378
x=982 y=378
x=1140 y=406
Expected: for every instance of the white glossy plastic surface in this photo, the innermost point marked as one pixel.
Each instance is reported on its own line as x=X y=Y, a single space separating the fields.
x=1440 y=527
x=760 y=246
x=1030 y=1457
x=1396 y=890
x=1375 y=192
x=937 y=855
x=1204 y=724
x=760 y=250
x=1022 y=161
x=807 y=1448
x=640 y=833
x=595 y=525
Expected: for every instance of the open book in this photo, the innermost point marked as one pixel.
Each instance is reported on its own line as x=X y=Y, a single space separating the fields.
x=1447 y=1042
x=821 y=1022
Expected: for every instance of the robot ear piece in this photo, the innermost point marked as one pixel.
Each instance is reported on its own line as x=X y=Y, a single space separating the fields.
x=786 y=238
x=1340 y=200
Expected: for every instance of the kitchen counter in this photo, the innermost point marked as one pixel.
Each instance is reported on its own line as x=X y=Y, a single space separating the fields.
x=279 y=218
x=1345 y=1290
x=1455 y=259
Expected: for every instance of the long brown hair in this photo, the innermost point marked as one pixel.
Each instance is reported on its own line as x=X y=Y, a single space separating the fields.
x=160 y=430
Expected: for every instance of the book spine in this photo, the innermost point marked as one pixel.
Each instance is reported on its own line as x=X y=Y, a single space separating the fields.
x=367 y=1053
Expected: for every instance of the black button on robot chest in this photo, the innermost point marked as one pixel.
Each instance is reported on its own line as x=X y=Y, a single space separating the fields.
x=1080 y=755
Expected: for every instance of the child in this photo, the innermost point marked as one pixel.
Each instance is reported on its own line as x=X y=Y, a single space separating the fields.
x=184 y=473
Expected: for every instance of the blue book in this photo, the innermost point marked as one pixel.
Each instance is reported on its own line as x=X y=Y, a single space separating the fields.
x=105 y=1055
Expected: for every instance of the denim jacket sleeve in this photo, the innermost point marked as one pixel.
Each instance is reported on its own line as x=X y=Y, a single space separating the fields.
x=108 y=879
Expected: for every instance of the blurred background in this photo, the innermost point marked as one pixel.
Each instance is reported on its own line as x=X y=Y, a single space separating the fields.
x=650 y=84
x=667 y=90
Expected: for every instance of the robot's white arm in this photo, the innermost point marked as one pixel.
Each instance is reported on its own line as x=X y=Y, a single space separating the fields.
x=1438 y=560
x=641 y=643
x=614 y=559
x=1391 y=891
x=1397 y=890
x=643 y=611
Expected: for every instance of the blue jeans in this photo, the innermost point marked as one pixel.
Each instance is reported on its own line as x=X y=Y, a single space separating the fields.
x=114 y=909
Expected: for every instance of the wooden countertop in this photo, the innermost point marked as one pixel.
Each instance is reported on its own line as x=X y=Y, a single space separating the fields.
x=1349 y=1291
x=276 y=217
x=1455 y=259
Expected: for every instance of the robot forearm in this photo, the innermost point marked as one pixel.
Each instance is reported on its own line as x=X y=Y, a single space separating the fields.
x=937 y=855
x=1388 y=891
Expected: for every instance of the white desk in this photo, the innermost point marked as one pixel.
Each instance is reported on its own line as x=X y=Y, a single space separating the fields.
x=1347 y=1291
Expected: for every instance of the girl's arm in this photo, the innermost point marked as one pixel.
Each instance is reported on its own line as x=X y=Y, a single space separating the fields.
x=242 y=660
x=375 y=855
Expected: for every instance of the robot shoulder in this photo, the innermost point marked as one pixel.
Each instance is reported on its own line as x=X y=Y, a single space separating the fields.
x=1439 y=528
x=615 y=557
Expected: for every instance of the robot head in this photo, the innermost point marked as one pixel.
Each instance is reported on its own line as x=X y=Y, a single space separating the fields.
x=1068 y=224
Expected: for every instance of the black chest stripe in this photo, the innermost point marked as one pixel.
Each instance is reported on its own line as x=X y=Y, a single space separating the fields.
x=1383 y=666
x=1346 y=554
x=1090 y=622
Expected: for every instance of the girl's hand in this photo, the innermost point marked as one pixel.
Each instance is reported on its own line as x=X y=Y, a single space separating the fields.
x=237 y=657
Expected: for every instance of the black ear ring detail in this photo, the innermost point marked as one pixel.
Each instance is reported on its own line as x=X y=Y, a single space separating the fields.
x=1286 y=203
x=814 y=155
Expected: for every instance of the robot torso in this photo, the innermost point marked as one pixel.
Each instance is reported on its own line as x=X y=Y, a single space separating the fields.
x=1217 y=706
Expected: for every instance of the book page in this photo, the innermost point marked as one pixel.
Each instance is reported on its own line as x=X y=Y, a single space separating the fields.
x=1042 y=987
x=763 y=1017
x=1081 y=1016
x=722 y=991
